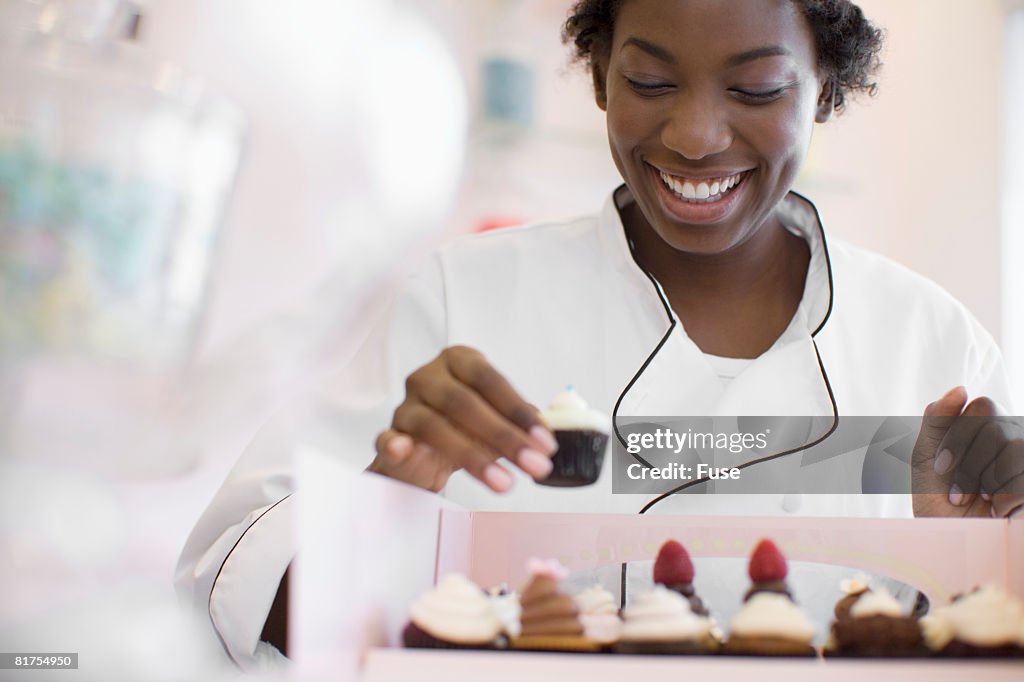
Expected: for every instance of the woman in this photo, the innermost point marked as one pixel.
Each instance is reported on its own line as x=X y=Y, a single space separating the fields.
x=704 y=287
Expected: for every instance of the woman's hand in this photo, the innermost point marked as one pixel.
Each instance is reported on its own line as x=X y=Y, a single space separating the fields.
x=461 y=413
x=968 y=459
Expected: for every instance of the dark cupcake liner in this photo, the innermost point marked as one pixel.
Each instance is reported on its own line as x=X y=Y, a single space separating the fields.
x=415 y=637
x=878 y=636
x=958 y=649
x=578 y=460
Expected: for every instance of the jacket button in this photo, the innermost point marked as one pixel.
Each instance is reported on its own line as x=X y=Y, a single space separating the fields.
x=791 y=502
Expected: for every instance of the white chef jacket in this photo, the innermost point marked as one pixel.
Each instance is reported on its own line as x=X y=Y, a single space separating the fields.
x=556 y=304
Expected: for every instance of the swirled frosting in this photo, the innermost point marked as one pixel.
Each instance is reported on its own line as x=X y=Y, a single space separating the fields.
x=569 y=411
x=599 y=614
x=663 y=615
x=987 y=617
x=595 y=600
x=879 y=603
x=456 y=611
x=767 y=614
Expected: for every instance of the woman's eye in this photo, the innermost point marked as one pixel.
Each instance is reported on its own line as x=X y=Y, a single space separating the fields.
x=648 y=87
x=759 y=96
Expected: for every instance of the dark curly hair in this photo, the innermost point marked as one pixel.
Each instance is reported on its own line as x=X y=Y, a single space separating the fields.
x=848 y=45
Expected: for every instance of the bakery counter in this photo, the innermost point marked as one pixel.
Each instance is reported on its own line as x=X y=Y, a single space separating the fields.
x=404 y=665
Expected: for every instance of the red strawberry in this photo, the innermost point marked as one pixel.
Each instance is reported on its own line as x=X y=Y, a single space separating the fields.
x=767 y=563
x=673 y=565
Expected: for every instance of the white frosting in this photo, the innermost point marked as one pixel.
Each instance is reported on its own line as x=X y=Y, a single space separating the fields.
x=568 y=411
x=855 y=585
x=878 y=603
x=601 y=627
x=509 y=612
x=596 y=599
x=663 y=615
x=767 y=614
x=457 y=611
x=988 y=617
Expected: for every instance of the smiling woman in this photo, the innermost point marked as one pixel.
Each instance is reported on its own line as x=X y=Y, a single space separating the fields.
x=705 y=286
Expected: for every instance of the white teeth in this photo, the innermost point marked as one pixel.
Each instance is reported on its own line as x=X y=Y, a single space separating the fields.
x=712 y=190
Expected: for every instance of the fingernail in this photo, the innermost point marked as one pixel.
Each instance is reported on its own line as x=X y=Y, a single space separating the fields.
x=943 y=462
x=497 y=478
x=544 y=438
x=985 y=496
x=956 y=496
x=400 y=443
x=399 y=448
x=534 y=463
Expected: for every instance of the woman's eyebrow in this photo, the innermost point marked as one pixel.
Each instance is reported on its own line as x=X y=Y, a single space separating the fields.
x=757 y=53
x=651 y=49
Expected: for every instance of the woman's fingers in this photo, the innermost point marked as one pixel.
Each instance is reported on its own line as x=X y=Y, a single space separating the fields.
x=432 y=428
x=477 y=418
x=472 y=369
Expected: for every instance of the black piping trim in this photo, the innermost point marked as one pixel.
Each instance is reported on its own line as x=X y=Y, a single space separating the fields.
x=213 y=589
x=768 y=458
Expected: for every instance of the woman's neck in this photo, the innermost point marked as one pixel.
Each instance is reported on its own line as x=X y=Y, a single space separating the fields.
x=733 y=304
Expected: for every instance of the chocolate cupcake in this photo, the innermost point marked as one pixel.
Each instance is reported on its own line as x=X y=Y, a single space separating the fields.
x=661 y=621
x=582 y=435
x=550 y=619
x=874 y=625
x=987 y=622
x=770 y=623
x=455 y=615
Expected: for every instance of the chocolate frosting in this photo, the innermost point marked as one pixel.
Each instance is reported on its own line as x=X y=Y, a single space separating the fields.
x=775 y=586
x=686 y=589
x=546 y=611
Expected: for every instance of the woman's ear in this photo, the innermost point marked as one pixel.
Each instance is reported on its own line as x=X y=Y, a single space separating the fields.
x=597 y=72
x=826 y=101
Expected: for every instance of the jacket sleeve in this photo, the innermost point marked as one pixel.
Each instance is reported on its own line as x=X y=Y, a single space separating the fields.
x=234 y=558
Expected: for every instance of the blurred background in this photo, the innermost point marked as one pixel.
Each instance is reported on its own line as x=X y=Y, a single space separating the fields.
x=204 y=203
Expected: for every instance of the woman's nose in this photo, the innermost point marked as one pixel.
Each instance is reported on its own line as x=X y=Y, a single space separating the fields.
x=696 y=129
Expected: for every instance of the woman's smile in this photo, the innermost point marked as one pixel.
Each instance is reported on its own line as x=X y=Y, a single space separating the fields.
x=702 y=199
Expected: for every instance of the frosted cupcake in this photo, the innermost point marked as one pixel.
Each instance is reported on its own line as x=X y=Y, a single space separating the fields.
x=769 y=624
x=582 y=435
x=455 y=615
x=660 y=621
x=674 y=569
x=550 y=619
x=599 y=615
x=874 y=624
x=986 y=622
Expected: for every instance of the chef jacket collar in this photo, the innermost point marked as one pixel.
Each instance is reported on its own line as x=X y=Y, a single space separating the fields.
x=797 y=213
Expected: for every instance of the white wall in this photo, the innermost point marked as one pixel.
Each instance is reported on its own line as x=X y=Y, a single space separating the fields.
x=916 y=172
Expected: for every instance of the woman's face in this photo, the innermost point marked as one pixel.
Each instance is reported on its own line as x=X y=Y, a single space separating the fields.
x=710 y=108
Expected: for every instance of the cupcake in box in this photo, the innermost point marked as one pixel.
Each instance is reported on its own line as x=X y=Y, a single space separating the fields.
x=550 y=620
x=599 y=615
x=661 y=621
x=582 y=435
x=873 y=624
x=455 y=615
x=770 y=623
x=674 y=569
x=988 y=622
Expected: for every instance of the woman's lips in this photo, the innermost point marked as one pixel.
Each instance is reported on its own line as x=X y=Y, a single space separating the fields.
x=702 y=201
